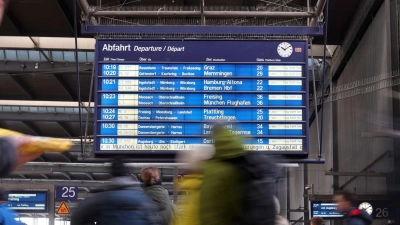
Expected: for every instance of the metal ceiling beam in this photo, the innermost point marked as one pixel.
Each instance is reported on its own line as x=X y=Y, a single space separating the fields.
x=356 y=174
x=14 y=21
x=366 y=168
x=67 y=16
x=66 y=156
x=197 y=30
x=23 y=86
x=14 y=68
x=65 y=174
x=29 y=116
x=65 y=128
x=214 y=14
x=84 y=5
x=32 y=127
x=318 y=11
x=36 y=46
x=65 y=86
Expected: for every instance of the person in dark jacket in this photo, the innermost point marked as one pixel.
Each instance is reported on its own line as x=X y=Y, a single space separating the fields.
x=151 y=178
x=10 y=156
x=123 y=202
x=7 y=216
x=345 y=201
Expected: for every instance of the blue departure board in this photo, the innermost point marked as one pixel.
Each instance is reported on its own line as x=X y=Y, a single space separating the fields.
x=166 y=95
x=28 y=201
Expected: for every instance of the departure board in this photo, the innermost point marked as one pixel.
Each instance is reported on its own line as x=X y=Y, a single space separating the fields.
x=156 y=96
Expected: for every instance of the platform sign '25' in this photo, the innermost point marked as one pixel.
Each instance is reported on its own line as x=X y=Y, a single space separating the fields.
x=64 y=193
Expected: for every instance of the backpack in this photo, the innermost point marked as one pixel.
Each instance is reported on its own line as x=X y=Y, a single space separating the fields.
x=357 y=213
x=258 y=175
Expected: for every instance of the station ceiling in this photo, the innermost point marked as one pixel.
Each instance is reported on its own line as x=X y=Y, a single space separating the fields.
x=55 y=18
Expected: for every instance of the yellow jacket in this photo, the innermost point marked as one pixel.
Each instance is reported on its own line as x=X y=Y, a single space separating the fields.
x=189 y=209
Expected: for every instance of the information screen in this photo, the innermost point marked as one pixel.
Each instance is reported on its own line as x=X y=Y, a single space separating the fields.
x=378 y=209
x=154 y=96
x=28 y=201
x=326 y=209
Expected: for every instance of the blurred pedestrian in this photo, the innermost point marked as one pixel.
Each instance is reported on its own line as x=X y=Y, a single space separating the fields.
x=316 y=220
x=345 y=201
x=3 y=4
x=151 y=177
x=220 y=201
x=123 y=202
x=7 y=216
x=238 y=185
x=191 y=183
x=10 y=155
x=280 y=220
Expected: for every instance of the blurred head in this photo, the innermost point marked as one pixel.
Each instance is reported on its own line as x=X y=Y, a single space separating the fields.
x=227 y=144
x=118 y=169
x=196 y=157
x=3 y=4
x=344 y=200
x=316 y=220
x=150 y=176
x=277 y=205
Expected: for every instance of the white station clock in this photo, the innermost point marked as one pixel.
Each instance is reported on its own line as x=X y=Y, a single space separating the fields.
x=366 y=206
x=285 y=49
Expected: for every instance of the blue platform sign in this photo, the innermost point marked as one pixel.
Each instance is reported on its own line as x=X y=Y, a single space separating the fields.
x=66 y=193
x=28 y=201
x=160 y=96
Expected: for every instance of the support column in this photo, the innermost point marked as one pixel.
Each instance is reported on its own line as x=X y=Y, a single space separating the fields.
x=393 y=47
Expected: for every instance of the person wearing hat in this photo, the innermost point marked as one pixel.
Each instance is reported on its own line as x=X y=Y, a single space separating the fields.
x=7 y=216
x=191 y=183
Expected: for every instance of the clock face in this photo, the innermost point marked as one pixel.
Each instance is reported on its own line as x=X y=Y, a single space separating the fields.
x=366 y=206
x=285 y=49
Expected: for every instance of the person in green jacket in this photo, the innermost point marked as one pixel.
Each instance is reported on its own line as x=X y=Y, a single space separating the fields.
x=151 y=178
x=220 y=198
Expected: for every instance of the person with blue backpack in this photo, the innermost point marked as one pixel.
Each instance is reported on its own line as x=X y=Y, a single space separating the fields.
x=238 y=185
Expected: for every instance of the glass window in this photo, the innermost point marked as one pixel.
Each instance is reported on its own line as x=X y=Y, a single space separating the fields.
x=58 y=56
x=69 y=56
x=11 y=55
x=2 y=53
x=90 y=56
x=22 y=55
x=34 y=55
x=82 y=57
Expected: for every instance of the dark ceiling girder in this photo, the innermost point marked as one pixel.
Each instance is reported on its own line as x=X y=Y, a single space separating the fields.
x=65 y=86
x=32 y=127
x=361 y=20
x=23 y=86
x=50 y=117
x=14 y=68
x=14 y=22
x=64 y=10
x=66 y=129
